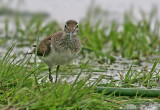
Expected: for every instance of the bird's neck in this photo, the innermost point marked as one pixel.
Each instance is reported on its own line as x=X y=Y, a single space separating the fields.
x=68 y=38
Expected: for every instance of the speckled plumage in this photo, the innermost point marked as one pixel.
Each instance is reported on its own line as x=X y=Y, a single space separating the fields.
x=60 y=48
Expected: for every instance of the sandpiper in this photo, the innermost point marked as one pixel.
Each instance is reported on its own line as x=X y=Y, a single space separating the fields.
x=59 y=48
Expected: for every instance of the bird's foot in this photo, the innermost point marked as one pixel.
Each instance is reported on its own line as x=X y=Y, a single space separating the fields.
x=50 y=78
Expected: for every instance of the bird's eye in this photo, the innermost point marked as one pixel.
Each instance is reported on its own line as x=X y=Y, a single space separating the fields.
x=66 y=27
x=77 y=26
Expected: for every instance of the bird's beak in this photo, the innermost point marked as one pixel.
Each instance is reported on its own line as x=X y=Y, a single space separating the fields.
x=71 y=34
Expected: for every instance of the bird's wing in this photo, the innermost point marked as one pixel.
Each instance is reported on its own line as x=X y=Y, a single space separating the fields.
x=44 y=47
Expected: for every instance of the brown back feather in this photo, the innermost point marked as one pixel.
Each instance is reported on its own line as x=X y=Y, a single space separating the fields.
x=44 y=47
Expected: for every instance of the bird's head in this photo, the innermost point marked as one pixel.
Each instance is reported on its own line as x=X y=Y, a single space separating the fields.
x=71 y=28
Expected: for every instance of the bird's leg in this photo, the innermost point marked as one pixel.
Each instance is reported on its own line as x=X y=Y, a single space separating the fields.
x=58 y=66
x=50 y=76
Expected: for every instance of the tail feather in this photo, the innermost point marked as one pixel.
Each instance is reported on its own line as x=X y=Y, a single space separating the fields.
x=33 y=51
x=34 y=46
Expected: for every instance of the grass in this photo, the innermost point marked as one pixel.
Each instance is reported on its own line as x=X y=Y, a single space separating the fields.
x=24 y=81
x=132 y=39
x=20 y=89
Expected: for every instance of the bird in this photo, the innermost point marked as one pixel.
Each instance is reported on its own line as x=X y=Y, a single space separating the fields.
x=59 y=48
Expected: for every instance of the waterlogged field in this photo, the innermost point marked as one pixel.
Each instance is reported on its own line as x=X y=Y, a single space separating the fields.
x=115 y=55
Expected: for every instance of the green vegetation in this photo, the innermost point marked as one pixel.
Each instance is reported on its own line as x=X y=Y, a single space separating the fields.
x=20 y=89
x=132 y=39
x=24 y=81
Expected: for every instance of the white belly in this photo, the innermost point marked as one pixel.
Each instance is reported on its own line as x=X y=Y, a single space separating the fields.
x=57 y=59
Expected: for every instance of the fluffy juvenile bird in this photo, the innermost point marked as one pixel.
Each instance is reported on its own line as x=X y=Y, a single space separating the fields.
x=59 y=48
